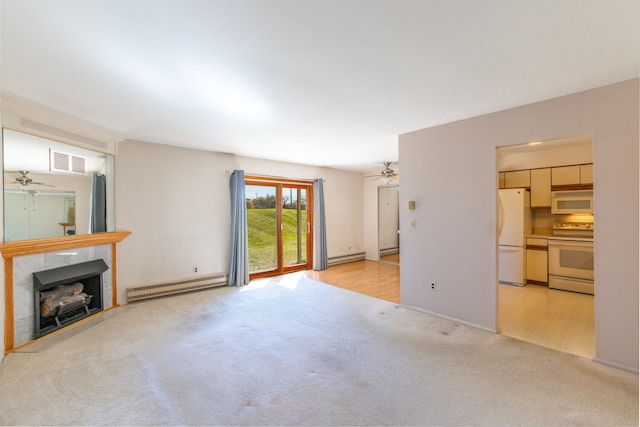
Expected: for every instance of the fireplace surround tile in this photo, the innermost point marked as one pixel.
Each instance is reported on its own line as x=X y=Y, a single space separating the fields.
x=24 y=329
x=23 y=300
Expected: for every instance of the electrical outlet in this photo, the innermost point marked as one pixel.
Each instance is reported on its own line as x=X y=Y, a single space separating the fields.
x=433 y=286
x=195 y=270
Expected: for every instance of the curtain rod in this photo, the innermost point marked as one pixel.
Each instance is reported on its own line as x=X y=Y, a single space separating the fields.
x=229 y=172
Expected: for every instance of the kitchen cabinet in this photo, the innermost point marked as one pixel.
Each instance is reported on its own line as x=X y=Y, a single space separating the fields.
x=517 y=179
x=565 y=175
x=541 y=188
x=537 y=260
x=572 y=175
x=586 y=174
x=541 y=180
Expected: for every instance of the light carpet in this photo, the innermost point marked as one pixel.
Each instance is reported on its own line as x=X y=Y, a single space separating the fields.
x=299 y=352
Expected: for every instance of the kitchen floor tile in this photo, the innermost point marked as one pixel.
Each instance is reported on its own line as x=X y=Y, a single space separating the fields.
x=551 y=318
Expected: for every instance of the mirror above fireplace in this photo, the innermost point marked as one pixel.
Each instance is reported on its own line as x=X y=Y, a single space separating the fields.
x=50 y=187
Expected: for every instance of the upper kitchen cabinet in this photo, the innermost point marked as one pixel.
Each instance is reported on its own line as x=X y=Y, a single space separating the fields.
x=572 y=177
x=541 y=188
x=586 y=174
x=565 y=175
x=517 y=179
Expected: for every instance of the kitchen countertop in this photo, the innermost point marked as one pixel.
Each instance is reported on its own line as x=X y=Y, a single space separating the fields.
x=539 y=235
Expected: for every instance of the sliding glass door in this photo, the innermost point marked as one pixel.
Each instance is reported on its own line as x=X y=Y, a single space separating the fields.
x=262 y=227
x=279 y=223
x=294 y=227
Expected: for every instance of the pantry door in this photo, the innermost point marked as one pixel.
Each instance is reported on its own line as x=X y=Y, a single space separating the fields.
x=279 y=224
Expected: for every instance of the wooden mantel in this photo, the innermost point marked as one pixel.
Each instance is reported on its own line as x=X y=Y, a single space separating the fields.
x=53 y=244
x=10 y=250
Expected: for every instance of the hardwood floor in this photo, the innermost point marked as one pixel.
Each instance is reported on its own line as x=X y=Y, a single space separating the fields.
x=556 y=319
x=390 y=258
x=376 y=279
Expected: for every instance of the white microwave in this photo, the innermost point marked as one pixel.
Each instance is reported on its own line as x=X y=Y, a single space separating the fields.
x=572 y=202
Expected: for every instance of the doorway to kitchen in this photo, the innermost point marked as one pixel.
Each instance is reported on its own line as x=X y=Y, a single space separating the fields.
x=538 y=300
x=279 y=225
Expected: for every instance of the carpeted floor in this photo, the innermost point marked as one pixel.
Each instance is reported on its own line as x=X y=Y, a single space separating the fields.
x=298 y=352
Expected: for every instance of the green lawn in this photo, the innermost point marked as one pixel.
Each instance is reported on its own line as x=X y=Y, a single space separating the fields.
x=261 y=225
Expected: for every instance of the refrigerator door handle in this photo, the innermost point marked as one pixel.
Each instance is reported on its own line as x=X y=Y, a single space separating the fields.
x=500 y=216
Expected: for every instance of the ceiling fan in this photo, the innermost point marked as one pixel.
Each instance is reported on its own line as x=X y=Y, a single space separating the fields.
x=24 y=180
x=387 y=174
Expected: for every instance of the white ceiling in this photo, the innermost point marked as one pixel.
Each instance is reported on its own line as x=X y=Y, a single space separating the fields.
x=321 y=82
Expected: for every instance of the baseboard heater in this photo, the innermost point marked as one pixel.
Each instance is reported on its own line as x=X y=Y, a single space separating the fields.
x=360 y=256
x=177 y=287
x=389 y=251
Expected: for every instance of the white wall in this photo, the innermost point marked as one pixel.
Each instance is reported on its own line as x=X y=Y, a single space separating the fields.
x=175 y=201
x=450 y=171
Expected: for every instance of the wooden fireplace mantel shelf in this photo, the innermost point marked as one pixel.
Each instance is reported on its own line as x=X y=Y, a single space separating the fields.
x=52 y=244
x=10 y=250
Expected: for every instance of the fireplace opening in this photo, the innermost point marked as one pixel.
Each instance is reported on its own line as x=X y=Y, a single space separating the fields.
x=65 y=295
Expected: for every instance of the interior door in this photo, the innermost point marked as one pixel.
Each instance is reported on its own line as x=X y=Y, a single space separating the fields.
x=388 y=224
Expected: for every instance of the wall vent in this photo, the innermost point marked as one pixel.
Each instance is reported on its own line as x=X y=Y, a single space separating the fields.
x=177 y=287
x=69 y=163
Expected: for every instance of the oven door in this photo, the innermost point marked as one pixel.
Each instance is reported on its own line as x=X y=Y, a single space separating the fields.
x=571 y=258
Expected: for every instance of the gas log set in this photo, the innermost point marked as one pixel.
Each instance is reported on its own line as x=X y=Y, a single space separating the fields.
x=63 y=299
x=66 y=295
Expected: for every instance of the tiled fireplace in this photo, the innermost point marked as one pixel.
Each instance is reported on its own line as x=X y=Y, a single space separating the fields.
x=23 y=258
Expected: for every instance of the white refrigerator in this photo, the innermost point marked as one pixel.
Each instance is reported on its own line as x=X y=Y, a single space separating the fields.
x=514 y=223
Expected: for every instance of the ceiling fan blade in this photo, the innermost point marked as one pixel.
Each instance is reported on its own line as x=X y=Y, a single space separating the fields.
x=23 y=185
